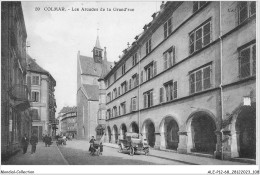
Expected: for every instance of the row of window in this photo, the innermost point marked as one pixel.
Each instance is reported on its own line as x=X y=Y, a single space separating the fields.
x=121 y=109
x=199 y=80
x=123 y=69
x=125 y=86
x=198 y=38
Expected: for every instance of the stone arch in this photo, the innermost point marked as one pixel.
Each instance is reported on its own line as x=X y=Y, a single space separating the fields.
x=201 y=126
x=109 y=134
x=243 y=132
x=148 y=132
x=115 y=134
x=123 y=131
x=169 y=128
x=134 y=127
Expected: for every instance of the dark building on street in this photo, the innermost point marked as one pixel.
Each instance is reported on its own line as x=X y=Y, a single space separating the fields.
x=15 y=93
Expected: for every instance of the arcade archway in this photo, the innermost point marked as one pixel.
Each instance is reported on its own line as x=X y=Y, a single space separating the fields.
x=246 y=132
x=134 y=127
x=169 y=133
x=123 y=131
x=203 y=135
x=149 y=132
x=115 y=133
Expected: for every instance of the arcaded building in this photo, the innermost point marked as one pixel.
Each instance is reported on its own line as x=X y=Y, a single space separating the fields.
x=188 y=82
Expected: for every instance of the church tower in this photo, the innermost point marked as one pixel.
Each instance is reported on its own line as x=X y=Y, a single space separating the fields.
x=97 y=52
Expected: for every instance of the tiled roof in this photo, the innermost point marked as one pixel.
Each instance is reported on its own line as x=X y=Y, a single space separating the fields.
x=68 y=109
x=92 y=91
x=33 y=66
x=89 y=66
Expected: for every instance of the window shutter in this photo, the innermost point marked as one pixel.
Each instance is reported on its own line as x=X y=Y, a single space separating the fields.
x=37 y=80
x=173 y=55
x=165 y=30
x=142 y=76
x=126 y=86
x=165 y=60
x=137 y=79
x=37 y=96
x=161 y=94
x=145 y=100
x=130 y=84
x=151 y=98
x=169 y=26
x=119 y=111
x=134 y=104
x=175 y=89
x=131 y=105
x=206 y=77
x=154 y=68
x=192 y=83
x=118 y=91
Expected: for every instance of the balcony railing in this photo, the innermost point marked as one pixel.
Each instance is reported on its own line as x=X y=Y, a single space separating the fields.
x=20 y=94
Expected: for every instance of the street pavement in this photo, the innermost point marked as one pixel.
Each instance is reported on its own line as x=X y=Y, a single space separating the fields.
x=43 y=156
x=76 y=153
x=185 y=158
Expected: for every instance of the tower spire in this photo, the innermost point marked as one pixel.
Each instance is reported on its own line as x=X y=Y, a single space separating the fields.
x=97 y=40
x=97 y=50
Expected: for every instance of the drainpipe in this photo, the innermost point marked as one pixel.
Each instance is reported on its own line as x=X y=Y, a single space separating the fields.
x=221 y=75
x=139 y=79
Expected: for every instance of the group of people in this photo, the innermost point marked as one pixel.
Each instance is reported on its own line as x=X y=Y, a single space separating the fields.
x=92 y=148
x=47 y=140
x=33 y=141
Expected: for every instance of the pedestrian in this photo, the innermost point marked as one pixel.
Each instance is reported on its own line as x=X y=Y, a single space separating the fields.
x=33 y=142
x=92 y=140
x=25 y=143
x=101 y=148
x=64 y=139
x=45 y=140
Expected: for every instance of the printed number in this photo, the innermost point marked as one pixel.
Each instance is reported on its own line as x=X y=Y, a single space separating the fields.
x=37 y=8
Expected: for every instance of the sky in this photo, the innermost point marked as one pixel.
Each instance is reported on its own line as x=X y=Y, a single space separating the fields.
x=55 y=37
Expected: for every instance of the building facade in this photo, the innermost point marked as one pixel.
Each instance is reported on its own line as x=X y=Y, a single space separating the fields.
x=68 y=121
x=89 y=70
x=188 y=82
x=15 y=105
x=43 y=103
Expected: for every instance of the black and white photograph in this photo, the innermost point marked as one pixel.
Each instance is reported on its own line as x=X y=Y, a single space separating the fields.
x=129 y=87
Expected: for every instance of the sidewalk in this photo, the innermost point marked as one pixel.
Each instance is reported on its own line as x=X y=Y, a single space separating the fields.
x=185 y=158
x=43 y=156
